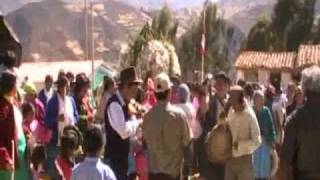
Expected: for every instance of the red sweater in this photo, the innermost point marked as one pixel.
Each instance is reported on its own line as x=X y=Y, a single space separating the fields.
x=64 y=168
x=8 y=133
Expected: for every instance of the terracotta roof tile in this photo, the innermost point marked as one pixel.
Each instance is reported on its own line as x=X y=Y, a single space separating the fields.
x=308 y=55
x=266 y=60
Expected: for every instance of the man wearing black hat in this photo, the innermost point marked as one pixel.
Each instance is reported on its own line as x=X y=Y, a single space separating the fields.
x=120 y=123
x=217 y=105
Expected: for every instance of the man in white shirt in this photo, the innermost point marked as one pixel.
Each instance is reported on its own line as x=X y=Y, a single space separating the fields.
x=120 y=123
x=246 y=137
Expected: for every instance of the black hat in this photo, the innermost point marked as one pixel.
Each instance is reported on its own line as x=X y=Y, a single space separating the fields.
x=62 y=81
x=7 y=81
x=82 y=79
x=222 y=75
x=130 y=76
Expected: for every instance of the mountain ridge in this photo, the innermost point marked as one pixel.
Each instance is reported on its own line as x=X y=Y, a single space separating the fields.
x=55 y=30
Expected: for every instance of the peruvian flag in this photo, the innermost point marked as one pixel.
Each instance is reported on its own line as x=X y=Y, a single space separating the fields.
x=203 y=44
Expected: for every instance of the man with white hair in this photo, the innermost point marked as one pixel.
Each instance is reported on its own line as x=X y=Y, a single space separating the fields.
x=300 y=154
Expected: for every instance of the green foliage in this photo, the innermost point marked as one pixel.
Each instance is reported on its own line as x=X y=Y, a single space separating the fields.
x=142 y=39
x=301 y=26
x=217 y=53
x=164 y=27
x=291 y=25
x=315 y=34
x=284 y=12
x=260 y=36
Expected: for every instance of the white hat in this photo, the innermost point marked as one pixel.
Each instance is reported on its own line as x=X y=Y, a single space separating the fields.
x=162 y=83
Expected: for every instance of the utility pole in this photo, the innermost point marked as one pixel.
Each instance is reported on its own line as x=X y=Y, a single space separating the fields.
x=92 y=44
x=86 y=56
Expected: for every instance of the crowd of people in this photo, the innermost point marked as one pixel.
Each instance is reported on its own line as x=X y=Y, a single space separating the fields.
x=156 y=129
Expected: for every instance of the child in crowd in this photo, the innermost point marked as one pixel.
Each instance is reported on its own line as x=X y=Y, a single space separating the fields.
x=28 y=114
x=33 y=130
x=92 y=168
x=66 y=159
x=38 y=157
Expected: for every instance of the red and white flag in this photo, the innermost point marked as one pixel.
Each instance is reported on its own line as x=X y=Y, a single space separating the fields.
x=203 y=44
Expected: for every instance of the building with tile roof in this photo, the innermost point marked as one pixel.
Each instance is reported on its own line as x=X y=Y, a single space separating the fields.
x=261 y=66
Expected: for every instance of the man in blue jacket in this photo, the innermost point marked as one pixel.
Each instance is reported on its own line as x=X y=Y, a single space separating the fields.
x=61 y=111
x=46 y=93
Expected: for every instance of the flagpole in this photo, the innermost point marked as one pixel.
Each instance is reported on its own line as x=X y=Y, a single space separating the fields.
x=203 y=39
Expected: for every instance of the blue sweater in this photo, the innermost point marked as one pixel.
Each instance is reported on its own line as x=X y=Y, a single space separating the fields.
x=43 y=98
x=266 y=125
x=51 y=118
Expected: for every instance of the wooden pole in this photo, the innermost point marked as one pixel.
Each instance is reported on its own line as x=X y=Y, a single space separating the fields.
x=13 y=158
x=92 y=45
x=86 y=30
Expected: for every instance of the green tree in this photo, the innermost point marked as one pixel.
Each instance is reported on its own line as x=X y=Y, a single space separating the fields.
x=301 y=26
x=314 y=37
x=217 y=52
x=284 y=13
x=141 y=40
x=260 y=36
x=163 y=27
x=291 y=25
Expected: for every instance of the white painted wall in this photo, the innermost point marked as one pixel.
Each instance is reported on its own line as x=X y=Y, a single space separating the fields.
x=263 y=76
x=285 y=79
x=240 y=74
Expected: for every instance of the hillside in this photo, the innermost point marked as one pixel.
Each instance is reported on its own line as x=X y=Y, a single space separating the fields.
x=7 y=6
x=52 y=29
x=247 y=17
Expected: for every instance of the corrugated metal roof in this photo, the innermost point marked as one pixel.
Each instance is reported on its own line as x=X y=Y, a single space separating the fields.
x=266 y=60
x=308 y=55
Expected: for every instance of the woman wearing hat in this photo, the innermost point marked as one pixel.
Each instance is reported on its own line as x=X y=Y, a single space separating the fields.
x=81 y=98
x=43 y=134
x=61 y=112
x=262 y=156
x=12 y=140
